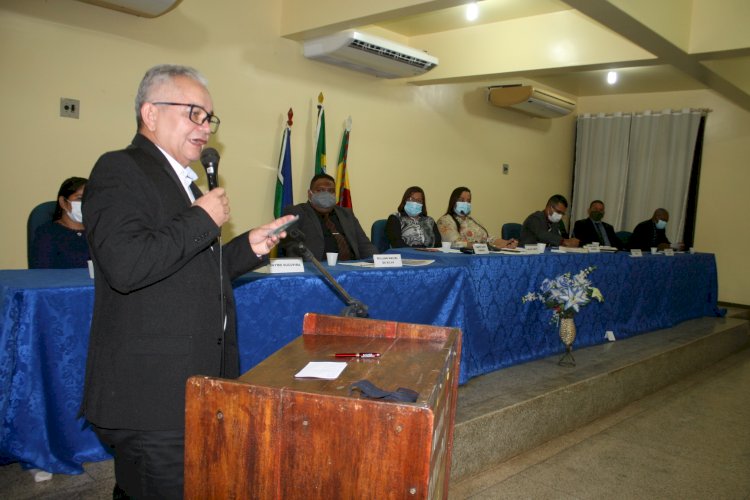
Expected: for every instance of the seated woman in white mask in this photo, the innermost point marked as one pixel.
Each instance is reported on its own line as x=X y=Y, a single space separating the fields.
x=61 y=242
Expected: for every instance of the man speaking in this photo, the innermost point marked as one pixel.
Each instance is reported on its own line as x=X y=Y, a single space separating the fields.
x=163 y=308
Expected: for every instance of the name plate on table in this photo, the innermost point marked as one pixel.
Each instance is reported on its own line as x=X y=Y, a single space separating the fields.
x=286 y=266
x=387 y=260
x=636 y=252
x=481 y=248
x=593 y=249
x=669 y=252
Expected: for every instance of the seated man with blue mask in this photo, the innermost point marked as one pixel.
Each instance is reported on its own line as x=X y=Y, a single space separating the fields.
x=651 y=233
x=546 y=226
x=327 y=226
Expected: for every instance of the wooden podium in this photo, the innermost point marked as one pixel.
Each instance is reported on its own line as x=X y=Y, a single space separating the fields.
x=269 y=435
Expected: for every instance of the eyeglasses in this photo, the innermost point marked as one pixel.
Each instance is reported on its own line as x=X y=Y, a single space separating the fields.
x=556 y=210
x=197 y=114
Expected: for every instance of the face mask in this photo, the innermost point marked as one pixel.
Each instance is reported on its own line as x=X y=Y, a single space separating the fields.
x=75 y=211
x=661 y=224
x=597 y=216
x=412 y=208
x=462 y=208
x=323 y=199
x=554 y=217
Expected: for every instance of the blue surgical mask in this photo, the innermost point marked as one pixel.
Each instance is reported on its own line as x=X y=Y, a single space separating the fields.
x=462 y=208
x=412 y=208
x=661 y=224
x=323 y=199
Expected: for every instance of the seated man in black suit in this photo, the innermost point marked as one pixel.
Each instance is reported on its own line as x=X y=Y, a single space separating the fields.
x=651 y=233
x=594 y=230
x=328 y=227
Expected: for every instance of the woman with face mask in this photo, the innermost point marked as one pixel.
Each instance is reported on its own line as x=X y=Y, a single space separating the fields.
x=458 y=227
x=410 y=226
x=61 y=242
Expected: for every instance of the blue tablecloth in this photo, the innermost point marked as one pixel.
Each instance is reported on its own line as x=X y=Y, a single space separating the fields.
x=640 y=295
x=46 y=317
x=270 y=308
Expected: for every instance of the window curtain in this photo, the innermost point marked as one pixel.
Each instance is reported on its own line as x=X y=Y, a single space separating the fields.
x=636 y=164
x=601 y=167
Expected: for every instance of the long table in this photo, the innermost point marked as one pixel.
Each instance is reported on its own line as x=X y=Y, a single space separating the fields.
x=46 y=316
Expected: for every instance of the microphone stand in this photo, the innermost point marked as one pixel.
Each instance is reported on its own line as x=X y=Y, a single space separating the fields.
x=354 y=308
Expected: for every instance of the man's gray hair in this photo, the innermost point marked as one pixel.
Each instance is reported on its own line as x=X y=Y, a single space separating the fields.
x=159 y=75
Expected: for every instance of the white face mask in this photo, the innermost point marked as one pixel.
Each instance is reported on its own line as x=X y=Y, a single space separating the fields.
x=554 y=217
x=75 y=212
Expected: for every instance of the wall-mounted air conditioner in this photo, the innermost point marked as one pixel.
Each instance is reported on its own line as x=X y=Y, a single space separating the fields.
x=142 y=8
x=369 y=54
x=531 y=100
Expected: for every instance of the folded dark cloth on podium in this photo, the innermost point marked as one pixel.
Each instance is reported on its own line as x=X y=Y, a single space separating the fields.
x=371 y=391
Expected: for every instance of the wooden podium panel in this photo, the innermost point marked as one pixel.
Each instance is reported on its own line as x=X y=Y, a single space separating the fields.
x=269 y=435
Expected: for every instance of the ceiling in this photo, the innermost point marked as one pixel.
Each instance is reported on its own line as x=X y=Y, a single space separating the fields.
x=568 y=45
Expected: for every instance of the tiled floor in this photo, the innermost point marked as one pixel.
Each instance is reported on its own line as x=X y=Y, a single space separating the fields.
x=689 y=440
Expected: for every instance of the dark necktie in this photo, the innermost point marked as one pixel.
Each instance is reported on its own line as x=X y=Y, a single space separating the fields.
x=602 y=233
x=344 y=253
x=196 y=192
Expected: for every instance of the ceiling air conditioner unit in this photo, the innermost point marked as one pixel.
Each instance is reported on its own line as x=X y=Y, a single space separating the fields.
x=369 y=54
x=142 y=8
x=530 y=100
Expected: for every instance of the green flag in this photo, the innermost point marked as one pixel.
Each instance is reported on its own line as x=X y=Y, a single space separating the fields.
x=320 y=139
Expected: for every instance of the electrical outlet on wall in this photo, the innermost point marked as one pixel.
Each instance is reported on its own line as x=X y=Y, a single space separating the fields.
x=69 y=108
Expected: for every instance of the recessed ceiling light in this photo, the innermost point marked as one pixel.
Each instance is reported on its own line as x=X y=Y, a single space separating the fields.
x=472 y=11
x=612 y=77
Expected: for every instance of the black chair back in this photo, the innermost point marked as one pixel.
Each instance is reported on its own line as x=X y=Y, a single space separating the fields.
x=624 y=237
x=39 y=215
x=511 y=230
x=378 y=237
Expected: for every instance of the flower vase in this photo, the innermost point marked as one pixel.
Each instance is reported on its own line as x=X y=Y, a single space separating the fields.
x=568 y=336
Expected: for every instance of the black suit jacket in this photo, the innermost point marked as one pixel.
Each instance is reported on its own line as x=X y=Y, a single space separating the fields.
x=309 y=224
x=157 y=314
x=646 y=235
x=585 y=231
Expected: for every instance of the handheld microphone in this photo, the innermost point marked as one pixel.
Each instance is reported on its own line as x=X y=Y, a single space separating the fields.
x=210 y=161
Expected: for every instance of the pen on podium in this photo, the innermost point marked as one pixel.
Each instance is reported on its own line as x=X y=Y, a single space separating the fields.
x=357 y=354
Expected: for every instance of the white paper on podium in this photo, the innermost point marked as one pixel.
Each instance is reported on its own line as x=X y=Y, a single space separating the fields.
x=327 y=370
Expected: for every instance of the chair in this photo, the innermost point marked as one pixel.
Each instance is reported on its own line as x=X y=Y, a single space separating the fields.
x=378 y=237
x=624 y=237
x=511 y=230
x=39 y=215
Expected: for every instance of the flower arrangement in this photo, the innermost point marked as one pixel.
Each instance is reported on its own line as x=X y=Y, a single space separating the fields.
x=566 y=294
